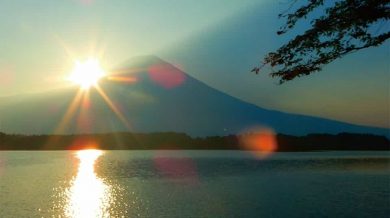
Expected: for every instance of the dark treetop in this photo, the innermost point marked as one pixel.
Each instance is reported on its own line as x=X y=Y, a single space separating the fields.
x=346 y=26
x=172 y=140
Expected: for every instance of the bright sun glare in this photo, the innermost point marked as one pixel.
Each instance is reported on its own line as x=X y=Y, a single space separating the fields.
x=87 y=73
x=88 y=196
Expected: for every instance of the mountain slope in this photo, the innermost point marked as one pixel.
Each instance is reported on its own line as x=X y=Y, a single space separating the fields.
x=151 y=95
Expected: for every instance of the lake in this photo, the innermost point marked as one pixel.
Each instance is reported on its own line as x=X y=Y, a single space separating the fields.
x=95 y=183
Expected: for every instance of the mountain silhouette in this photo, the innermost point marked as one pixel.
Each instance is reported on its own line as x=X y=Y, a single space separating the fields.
x=147 y=94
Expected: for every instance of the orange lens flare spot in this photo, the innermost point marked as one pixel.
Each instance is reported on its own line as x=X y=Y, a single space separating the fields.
x=261 y=142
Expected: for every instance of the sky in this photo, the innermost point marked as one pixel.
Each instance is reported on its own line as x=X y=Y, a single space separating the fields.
x=215 y=41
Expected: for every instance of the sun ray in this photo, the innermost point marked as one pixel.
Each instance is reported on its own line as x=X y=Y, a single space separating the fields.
x=112 y=107
x=84 y=116
x=87 y=74
x=63 y=45
x=70 y=112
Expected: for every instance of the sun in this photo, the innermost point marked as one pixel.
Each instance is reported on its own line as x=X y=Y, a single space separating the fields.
x=87 y=74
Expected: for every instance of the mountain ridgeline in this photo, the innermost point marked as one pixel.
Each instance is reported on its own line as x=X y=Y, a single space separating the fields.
x=148 y=94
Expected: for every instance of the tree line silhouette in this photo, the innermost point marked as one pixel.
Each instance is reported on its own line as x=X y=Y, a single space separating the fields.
x=172 y=140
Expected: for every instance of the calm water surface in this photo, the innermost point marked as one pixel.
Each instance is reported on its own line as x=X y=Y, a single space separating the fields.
x=194 y=184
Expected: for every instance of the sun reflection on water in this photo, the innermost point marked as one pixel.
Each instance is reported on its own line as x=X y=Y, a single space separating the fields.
x=88 y=195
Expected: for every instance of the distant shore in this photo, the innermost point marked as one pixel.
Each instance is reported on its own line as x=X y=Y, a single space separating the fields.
x=181 y=141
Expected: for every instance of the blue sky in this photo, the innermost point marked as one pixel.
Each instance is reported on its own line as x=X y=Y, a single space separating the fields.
x=215 y=41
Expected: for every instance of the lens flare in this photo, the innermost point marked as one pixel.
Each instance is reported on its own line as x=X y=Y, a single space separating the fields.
x=167 y=76
x=262 y=142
